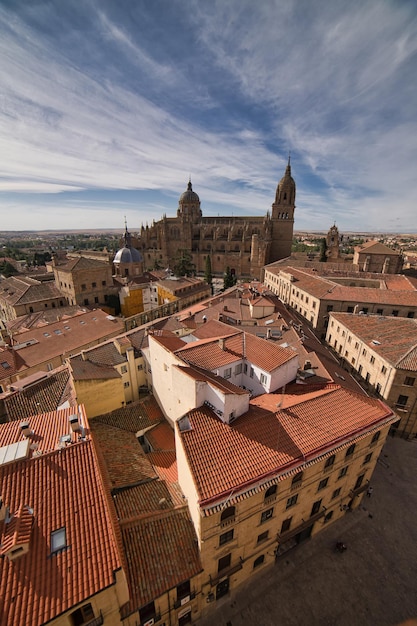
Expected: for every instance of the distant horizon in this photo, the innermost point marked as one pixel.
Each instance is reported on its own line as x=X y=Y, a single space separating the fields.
x=108 y=109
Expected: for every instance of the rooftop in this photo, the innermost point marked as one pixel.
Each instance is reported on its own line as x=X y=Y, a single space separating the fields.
x=264 y=442
x=63 y=490
x=394 y=338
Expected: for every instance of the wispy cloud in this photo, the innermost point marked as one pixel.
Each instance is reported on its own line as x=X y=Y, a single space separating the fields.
x=134 y=96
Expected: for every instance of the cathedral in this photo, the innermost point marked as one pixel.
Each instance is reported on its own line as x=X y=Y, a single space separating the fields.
x=244 y=244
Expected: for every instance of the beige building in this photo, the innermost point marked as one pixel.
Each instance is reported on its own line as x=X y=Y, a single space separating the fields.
x=45 y=348
x=373 y=256
x=20 y=295
x=314 y=294
x=111 y=375
x=383 y=351
x=61 y=562
x=275 y=477
x=84 y=281
x=244 y=244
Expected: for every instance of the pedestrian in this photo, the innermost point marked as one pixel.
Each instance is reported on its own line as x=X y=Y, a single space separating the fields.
x=369 y=491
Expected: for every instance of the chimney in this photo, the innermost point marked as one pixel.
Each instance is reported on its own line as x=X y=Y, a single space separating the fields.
x=221 y=343
x=25 y=429
x=75 y=423
x=268 y=333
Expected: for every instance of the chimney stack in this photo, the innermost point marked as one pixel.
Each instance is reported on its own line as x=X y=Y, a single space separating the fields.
x=25 y=429
x=75 y=423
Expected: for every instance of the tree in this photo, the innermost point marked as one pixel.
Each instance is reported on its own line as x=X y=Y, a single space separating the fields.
x=184 y=265
x=323 y=250
x=229 y=279
x=7 y=269
x=208 y=276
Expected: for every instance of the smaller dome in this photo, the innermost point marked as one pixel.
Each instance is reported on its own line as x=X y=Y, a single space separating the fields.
x=189 y=196
x=128 y=255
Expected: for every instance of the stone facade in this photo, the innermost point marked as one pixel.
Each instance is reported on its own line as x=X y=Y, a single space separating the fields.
x=245 y=244
x=374 y=256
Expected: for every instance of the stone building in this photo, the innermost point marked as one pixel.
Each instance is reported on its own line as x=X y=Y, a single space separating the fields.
x=314 y=293
x=245 y=244
x=383 y=352
x=84 y=281
x=373 y=256
x=20 y=295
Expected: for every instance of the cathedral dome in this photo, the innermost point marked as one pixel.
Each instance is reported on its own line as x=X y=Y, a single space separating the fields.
x=189 y=196
x=127 y=255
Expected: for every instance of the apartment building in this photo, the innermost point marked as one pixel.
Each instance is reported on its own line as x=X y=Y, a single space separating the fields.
x=314 y=294
x=232 y=367
x=20 y=295
x=383 y=352
x=275 y=476
x=45 y=348
x=110 y=375
x=263 y=471
x=61 y=561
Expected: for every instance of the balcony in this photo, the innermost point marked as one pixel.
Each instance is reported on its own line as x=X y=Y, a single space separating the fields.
x=359 y=490
x=226 y=572
x=184 y=600
x=289 y=534
x=228 y=521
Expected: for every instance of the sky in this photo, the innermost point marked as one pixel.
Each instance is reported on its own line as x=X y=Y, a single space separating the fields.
x=108 y=107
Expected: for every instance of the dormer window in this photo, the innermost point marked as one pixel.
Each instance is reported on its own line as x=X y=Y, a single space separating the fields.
x=58 y=540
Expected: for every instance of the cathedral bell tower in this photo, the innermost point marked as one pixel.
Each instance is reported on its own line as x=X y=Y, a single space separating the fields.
x=283 y=217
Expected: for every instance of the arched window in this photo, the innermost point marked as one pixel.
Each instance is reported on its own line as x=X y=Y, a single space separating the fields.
x=270 y=492
x=228 y=513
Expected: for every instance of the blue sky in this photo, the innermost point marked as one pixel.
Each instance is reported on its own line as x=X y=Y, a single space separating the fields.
x=108 y=106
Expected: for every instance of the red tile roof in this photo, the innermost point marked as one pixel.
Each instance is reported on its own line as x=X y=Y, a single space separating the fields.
x=213 y=353
x=394 y=338
x=224 y=458
x=42 y=396
x=395 y=290
x=165 y=464
x=65 y=336
x=134 y=417
x=64 y=490
x=167 y=557
x=124 y=457
x=161 y=437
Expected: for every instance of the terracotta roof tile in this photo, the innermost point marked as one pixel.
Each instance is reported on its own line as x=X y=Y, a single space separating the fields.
x=17 y=530
x=84 y=369
x=213 y=353
x=262 y=441
x=46 y=430
x=150 y=498
x=65 y=336
x=135 y=417
x=123 y=455
x=394 y=338
x=64 y=490
x=162 y=553
x=395 y=290
x=161 y=437
x=165 y=464
x=43 y=396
